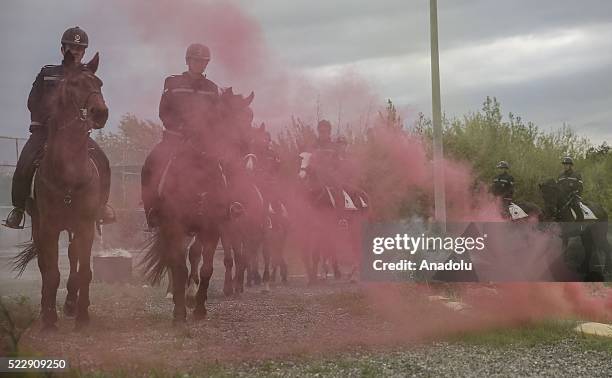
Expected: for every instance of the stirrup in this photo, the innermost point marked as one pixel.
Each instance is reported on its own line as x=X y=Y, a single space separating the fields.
x=21 y=224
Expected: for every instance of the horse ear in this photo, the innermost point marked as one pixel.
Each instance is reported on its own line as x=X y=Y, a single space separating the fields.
x=249 y=99
x=68 y=61
x=92 y=65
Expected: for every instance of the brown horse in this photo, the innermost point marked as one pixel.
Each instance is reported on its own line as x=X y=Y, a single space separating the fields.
x=196 y=201
x=67 y=191
x=332 y=217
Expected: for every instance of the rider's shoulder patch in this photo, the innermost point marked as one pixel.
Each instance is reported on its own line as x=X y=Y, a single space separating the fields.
x=51 y=72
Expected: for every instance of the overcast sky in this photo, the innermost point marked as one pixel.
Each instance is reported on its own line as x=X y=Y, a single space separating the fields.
x=549 y=61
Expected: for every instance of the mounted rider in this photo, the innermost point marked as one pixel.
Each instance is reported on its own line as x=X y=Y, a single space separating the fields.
x=187 y=103
x=43 y=89
x=503 y=183
x=268 y=167
x=326 y=154
x=571 y=186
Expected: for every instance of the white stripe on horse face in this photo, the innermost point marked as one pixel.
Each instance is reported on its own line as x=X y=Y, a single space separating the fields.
x=305 y=159
x=250 y=165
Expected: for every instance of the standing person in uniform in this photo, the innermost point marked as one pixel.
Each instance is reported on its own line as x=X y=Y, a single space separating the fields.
x=76 y=41
x=187 y=102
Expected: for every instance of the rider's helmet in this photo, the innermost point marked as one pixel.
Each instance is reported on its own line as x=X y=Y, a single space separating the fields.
x=567 y=160
x=197 y=51
x=503 y=164
x=75 y=36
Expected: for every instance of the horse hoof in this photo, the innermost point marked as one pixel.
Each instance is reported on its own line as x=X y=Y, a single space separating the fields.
x=81 y=325
x=266 y=288
x=49 y=328
x=179 y=321
x=190 y=301
x=199 y=313
x=169 y=296
x=70 y=309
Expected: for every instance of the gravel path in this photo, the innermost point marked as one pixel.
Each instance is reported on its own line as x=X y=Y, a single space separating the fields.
x=331 y=329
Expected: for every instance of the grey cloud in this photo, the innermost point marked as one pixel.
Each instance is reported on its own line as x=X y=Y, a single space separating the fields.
x=308 y=35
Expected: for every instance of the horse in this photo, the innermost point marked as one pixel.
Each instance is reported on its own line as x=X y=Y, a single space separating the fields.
x=334 y=214
x=265 y=223
x=199 y=207
x=67 y=192
x=592 y=231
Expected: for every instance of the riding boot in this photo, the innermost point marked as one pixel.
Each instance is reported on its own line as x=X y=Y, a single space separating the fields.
x=15 y=219
x=22 y=177
x=106 y=213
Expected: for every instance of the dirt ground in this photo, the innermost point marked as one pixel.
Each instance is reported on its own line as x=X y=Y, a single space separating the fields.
x=131 y=327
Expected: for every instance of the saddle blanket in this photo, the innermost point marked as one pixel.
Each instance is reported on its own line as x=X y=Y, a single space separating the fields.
x=516 y=212
x=588 y=213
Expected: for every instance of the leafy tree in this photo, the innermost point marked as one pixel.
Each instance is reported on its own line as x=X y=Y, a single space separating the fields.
x=132 y=143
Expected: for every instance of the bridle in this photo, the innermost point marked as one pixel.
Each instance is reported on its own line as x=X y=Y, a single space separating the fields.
x=82 y=112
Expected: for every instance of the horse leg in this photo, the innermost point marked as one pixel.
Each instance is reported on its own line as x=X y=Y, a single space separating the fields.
x=274 y=255
x=178 y=266
x=83 y=242
x=281 y=255
x=73 y=284
x=240 y=261
x=195 y=252
x=169 y=287
x=266 y=250
x=47 y=244
x=256 y=245
x=206 y=271
x=229 y=256
x=587 y=243
x=603 y=246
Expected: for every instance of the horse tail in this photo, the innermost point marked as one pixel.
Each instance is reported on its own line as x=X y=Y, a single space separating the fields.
x=21 y=261
x=155 y=263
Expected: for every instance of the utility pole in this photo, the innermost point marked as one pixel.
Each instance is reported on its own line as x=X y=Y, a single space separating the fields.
x=438 y=153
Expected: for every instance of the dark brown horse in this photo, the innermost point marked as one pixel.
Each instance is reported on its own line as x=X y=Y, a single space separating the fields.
x=66 y=191
x=197 y=201
x=331 y=218
x=593 y=231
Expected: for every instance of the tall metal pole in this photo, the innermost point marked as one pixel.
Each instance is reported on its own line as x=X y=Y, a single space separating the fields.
x=438 y=154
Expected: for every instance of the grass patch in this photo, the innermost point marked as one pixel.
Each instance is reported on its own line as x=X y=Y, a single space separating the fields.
x=531 y=335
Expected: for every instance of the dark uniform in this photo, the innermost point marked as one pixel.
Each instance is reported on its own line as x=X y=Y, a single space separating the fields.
x=503 y=186
x=39 y=105
x=570 y=186
x=186 y=103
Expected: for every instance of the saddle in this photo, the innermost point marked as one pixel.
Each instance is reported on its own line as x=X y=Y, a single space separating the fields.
x=37 y=166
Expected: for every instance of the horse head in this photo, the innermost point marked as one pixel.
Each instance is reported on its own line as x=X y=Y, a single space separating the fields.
x=304 y=164
x=80 y=101
x=551 y=196
x=235 y=108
